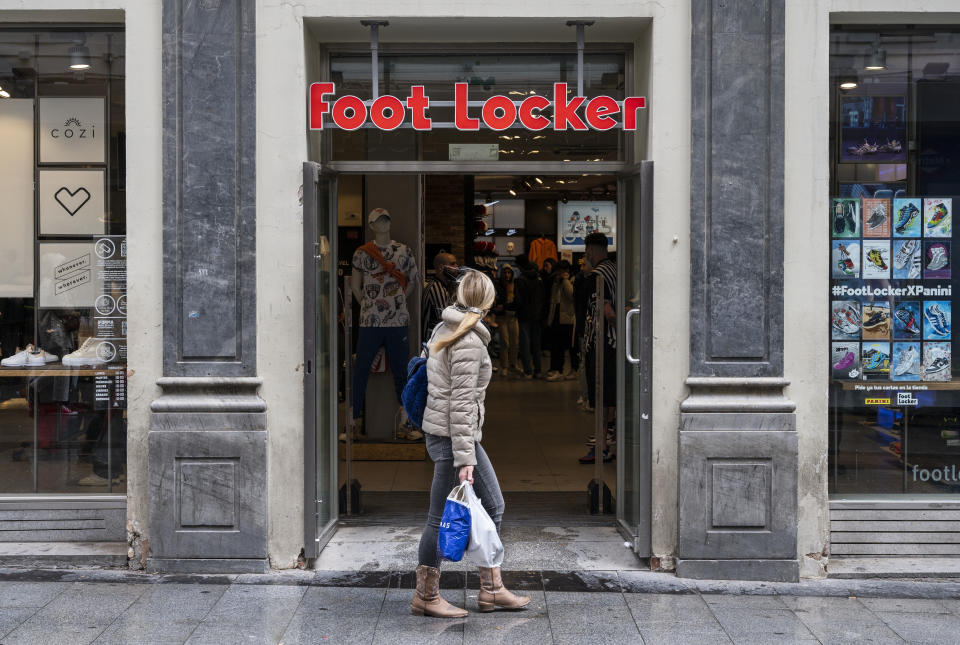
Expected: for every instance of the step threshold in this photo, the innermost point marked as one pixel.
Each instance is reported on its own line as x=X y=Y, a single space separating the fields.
x=63 y=555
x=893 y=567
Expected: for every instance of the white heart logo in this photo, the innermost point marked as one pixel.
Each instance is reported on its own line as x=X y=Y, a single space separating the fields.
x=72 y=201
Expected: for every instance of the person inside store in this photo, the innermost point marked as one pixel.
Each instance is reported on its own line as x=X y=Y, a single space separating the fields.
x=529 y=315
x=438 y=292
x=547 y=273
x=509 y=329
x=560 y=321
x=458 y=372
x=599 y=259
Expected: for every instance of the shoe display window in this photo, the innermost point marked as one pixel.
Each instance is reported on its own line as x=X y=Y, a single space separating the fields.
x=63 y=297
x=894 y=413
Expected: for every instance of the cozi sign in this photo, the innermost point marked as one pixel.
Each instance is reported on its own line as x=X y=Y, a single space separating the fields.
x=388 y=112
x=73 y=128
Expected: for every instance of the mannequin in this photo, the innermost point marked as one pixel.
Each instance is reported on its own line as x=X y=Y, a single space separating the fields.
x=384 y=275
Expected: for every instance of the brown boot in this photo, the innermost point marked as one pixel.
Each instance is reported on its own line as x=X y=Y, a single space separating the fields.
x=427 y=600
x=494 y=594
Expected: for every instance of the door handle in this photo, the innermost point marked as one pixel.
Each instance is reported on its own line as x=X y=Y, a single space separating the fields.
x=628 y=332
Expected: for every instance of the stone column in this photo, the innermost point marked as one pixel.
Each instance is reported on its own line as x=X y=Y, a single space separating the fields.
x=207 y=440
x=738 y=441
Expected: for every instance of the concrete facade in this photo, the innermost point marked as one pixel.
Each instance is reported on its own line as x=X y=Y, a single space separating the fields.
x=778 y=391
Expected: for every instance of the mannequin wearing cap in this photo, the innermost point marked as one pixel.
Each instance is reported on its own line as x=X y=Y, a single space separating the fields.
x=384 y=275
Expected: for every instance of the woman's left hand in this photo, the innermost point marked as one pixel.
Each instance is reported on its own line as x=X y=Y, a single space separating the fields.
x=466 y=474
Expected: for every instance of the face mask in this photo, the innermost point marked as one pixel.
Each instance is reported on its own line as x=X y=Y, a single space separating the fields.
x=450 y=272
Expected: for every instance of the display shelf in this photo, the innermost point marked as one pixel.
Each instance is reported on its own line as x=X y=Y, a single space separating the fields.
x=56 y=369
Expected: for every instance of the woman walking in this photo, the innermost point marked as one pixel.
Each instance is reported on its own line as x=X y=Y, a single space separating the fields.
x=458 y=372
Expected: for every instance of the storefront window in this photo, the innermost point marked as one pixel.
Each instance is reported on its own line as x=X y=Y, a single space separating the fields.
x=515 y=75
x=63 y=277
x=895 y=180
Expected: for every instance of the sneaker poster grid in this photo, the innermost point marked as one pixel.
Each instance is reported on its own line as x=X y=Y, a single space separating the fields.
x=891 y=289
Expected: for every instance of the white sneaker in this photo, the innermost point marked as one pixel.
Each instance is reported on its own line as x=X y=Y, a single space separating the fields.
x=30 y=356
x=92 y=352
x=938 y=258
x=905 y=253
x=554 y=376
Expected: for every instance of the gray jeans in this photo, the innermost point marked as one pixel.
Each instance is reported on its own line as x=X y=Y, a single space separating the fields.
x=445 y=477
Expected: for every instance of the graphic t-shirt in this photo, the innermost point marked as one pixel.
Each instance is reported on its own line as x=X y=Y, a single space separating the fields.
x=383 y=301
x=608 y=269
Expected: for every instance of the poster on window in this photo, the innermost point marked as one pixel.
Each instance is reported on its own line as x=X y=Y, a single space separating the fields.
x=578 y=219
x=16 y=187
x=873 y=128
x=67 y=275
x=72 y=130
x=72 y=202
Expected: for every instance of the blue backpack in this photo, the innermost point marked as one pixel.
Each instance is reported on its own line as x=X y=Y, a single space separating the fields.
x=414 y=397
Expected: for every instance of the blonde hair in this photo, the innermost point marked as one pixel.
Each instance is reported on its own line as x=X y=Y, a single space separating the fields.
x=475 y=293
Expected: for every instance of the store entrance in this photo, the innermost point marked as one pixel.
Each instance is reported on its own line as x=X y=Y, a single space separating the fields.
x=540 y=428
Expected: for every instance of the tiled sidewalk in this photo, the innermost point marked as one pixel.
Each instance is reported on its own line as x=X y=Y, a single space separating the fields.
x=78 y=607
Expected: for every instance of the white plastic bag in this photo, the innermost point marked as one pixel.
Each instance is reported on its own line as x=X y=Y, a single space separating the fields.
x=485 y=548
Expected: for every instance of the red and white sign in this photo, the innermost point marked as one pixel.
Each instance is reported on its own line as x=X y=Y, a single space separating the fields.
x=497 y=112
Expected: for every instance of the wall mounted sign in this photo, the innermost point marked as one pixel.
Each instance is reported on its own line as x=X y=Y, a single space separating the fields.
x=110 y=304
x=72 y=202
x=72 y=130
x=578 y=219
x=67 y=275
x=535 y=112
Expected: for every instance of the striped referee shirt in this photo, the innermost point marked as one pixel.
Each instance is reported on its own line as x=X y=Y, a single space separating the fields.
x=436 y=298
x=608 y=269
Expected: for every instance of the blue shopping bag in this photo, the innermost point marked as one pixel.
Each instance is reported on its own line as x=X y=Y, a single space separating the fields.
x=454 y=525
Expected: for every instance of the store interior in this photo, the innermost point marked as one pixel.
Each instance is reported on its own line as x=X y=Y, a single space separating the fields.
x=537 y=428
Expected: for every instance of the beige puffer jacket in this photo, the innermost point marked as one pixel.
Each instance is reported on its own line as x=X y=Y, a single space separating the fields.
x=457 y=379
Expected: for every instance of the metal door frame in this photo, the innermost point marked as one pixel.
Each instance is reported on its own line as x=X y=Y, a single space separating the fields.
x=639 y=535
x=314 y=539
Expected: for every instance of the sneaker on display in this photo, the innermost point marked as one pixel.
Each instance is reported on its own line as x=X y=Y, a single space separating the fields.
x=88 y=354
x=31 y=356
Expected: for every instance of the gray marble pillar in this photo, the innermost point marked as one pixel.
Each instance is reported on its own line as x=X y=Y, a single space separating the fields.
x=207 y=441
x=738 y=442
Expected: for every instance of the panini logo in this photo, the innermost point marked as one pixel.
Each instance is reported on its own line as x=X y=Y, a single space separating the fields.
x=877 y=401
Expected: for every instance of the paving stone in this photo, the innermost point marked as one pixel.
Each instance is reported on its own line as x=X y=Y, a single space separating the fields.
x=78 y=615
x=335 y=615
x=12 y=617
x=840 y=621
x=29 y=594
x=529 y=626
x=921 y=605
x=669 y=609
x=591 y=618
x=249 y=614
x=397 y=625
x=932 y=629
x=165 y=613
x=744 y=602
x=771 y=625
x=581 y=581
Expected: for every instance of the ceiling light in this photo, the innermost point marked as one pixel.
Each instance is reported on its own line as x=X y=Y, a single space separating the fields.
x=79 y=57
x=847 y=81
x=538 y=180
x=512 y=192
x=877 y=59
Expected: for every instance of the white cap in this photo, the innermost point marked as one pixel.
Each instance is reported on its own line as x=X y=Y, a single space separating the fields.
x=376 y=214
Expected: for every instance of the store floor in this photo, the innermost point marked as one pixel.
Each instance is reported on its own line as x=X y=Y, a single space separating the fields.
x=534 y=433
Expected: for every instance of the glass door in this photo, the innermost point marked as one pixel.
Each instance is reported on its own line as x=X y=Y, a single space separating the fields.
x=635 y=330
x=320 y=356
